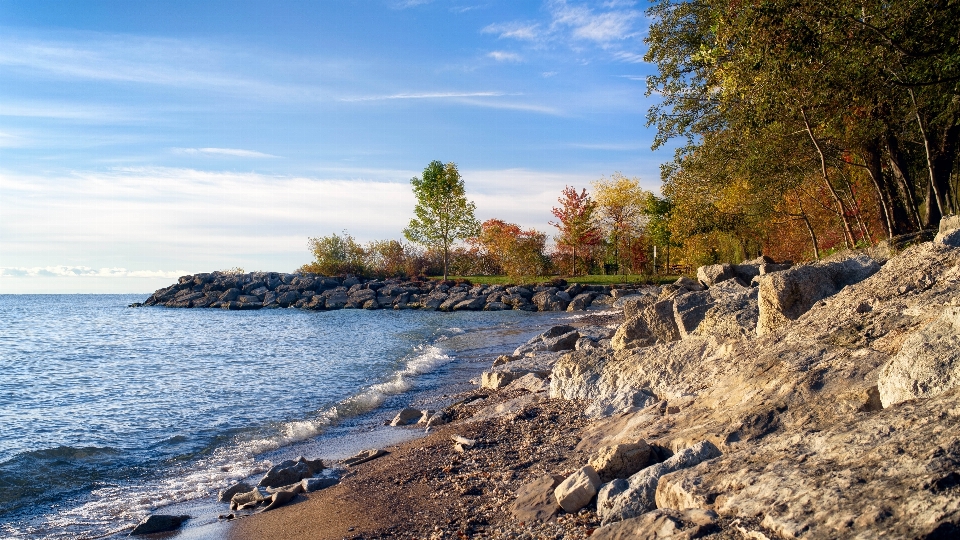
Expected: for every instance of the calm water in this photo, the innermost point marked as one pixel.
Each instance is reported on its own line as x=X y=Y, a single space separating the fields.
x=108 y=413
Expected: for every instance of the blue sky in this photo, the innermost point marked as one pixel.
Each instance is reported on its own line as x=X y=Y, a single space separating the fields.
x=143 y=140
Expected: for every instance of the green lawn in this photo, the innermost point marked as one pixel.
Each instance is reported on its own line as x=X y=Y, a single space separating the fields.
x=587 y=280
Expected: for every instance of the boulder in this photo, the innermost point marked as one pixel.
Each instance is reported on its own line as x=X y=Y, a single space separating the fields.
x=580 y=302
x=586 y=343
x=949 y=232
x=230 y=295
x=495 y=380
x=549 y=301
x=620 y=460
x=531 y=382
x=471 y=304
x=406 y=417
x=554 y=337
x=690 y=309
x=623 y=499
x=786 y=295
x=536 y=502
x=664 y=523
x=578 y=489
x=279 y=499
x=688 y=284
x=288 y=298
x=158 y=523
x=661 y=321
x=928 y=363
x=227 y=494
x=496 y=306
x=290 y=472
x=634 y=305
x=712 y=274
x=315 y=484
x=249 y=499
x=632 y=334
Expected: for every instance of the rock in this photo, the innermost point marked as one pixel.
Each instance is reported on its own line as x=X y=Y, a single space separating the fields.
x=470 y=304
x=230 y=295
x=632 y=334
x=586 y=343
x=664 y=523
x=635 y=304
x=624 y=499
x=578 y=489
x=556 y=338
x=227 y=494
x=549 y=301
x=536 y=502
x=495 y=380
x=620 y=460
x=580 y=302
x=690 y=309
x=733 y=315
x=511 y=407
x=461 y=444
x=714 y=273
x=688 y=284
x=786 y=295
x=363 y=457
x=157 y=523
x=949 y=232
x=406 y=417
x=425 y=416
x=681 y=491
x=249 y=499
x=315 y=484
x=928 y=363
x=438 y=419
x=531 y=382
x=279 y=499
x=290 y=472
x=288 y=298
x=661 y=321
x=496 y=306
x=503 y=359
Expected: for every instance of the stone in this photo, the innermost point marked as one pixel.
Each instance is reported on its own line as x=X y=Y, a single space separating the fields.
x=688 y=284
x=316 y=484
x=496 y=306
x=536 y=502
x=586 y=343
x=363 y=457
x=928 y=363
x=690 y=309
x=495 y=380
x=580 y=302
x=511 y=407
x=578 y=489
x=949 y=232
x=620 y=460
x=554 y=337
x=623 y=499
x=635 y=304
x=712 y=274
x=406 y=417
x=461 y=444
x=531 y=382
x=470 y=304
x=632 y=334
x=438 y=419
x=682 y=491
x=288 y=298
x=664 y=523
x=786 y=295
x=290 y=471
x=158 y=523
x=425 y=416
x=230 y=295
x=249 y=499
x=549 y=301
x=661 y=321
x=227 y=494
x=279 y=499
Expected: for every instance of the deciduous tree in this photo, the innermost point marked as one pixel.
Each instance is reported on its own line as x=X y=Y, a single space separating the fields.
x=576 y=224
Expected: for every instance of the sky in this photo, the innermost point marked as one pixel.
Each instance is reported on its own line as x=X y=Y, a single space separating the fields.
x=141 y=141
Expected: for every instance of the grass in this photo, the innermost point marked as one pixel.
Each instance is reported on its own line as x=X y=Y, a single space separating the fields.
x=586 y=280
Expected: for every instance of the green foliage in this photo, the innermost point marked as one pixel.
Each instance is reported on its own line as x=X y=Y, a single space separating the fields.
x=443 y=213
x=519 y=253
x=335 y=255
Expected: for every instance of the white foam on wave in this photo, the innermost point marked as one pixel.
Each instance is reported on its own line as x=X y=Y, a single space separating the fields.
x=112 y=509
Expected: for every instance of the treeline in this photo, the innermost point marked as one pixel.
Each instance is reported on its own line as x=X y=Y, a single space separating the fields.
x=809 y=126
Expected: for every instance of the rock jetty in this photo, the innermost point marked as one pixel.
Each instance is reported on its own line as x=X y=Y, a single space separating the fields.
x=259 y=290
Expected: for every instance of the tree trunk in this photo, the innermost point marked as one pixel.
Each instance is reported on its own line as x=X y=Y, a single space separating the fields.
x=940 y=158
x=445 y=258
x=898 y=164
x=841 y=207
x=874 y=165
x=813 y=235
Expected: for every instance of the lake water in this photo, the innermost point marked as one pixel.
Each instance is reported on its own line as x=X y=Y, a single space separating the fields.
x=108 y=413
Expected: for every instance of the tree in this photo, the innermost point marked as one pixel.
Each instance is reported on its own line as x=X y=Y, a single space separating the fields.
x=335 y=255
x=443 y=213
x=575 y=223
x=621 y=202
x=520 y=253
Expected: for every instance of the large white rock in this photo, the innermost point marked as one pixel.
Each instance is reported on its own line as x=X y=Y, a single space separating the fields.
x=578 y=489
x=620 y=460
x=624 y=499
x=928 y=363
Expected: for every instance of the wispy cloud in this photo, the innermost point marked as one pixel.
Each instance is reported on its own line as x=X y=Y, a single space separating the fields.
x=629 y=57
x=598 y=27
x=232 y=152
x=614 y=147
x=504 y=56
x=514 y=30
x=85 y=271
x=641 y=78
x=515 y=106
x=425 y=95
x=406 y=4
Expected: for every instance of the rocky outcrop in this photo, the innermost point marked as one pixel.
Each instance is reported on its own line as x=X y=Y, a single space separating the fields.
x=663 y=524
x=259 y=290
x=928 y=363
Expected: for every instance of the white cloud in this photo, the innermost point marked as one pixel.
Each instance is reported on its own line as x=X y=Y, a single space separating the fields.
x=86 y=272
x=599 y=27
x=514 y=30
x=629 y=57
x=503 y=56
x=232 y=152
x=547 y=74
x=405 y=4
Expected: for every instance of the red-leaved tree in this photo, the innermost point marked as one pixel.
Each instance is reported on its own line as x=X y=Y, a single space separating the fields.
x=577 y=231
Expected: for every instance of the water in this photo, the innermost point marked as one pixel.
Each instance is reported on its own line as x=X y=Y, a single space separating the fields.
x=108 y=413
